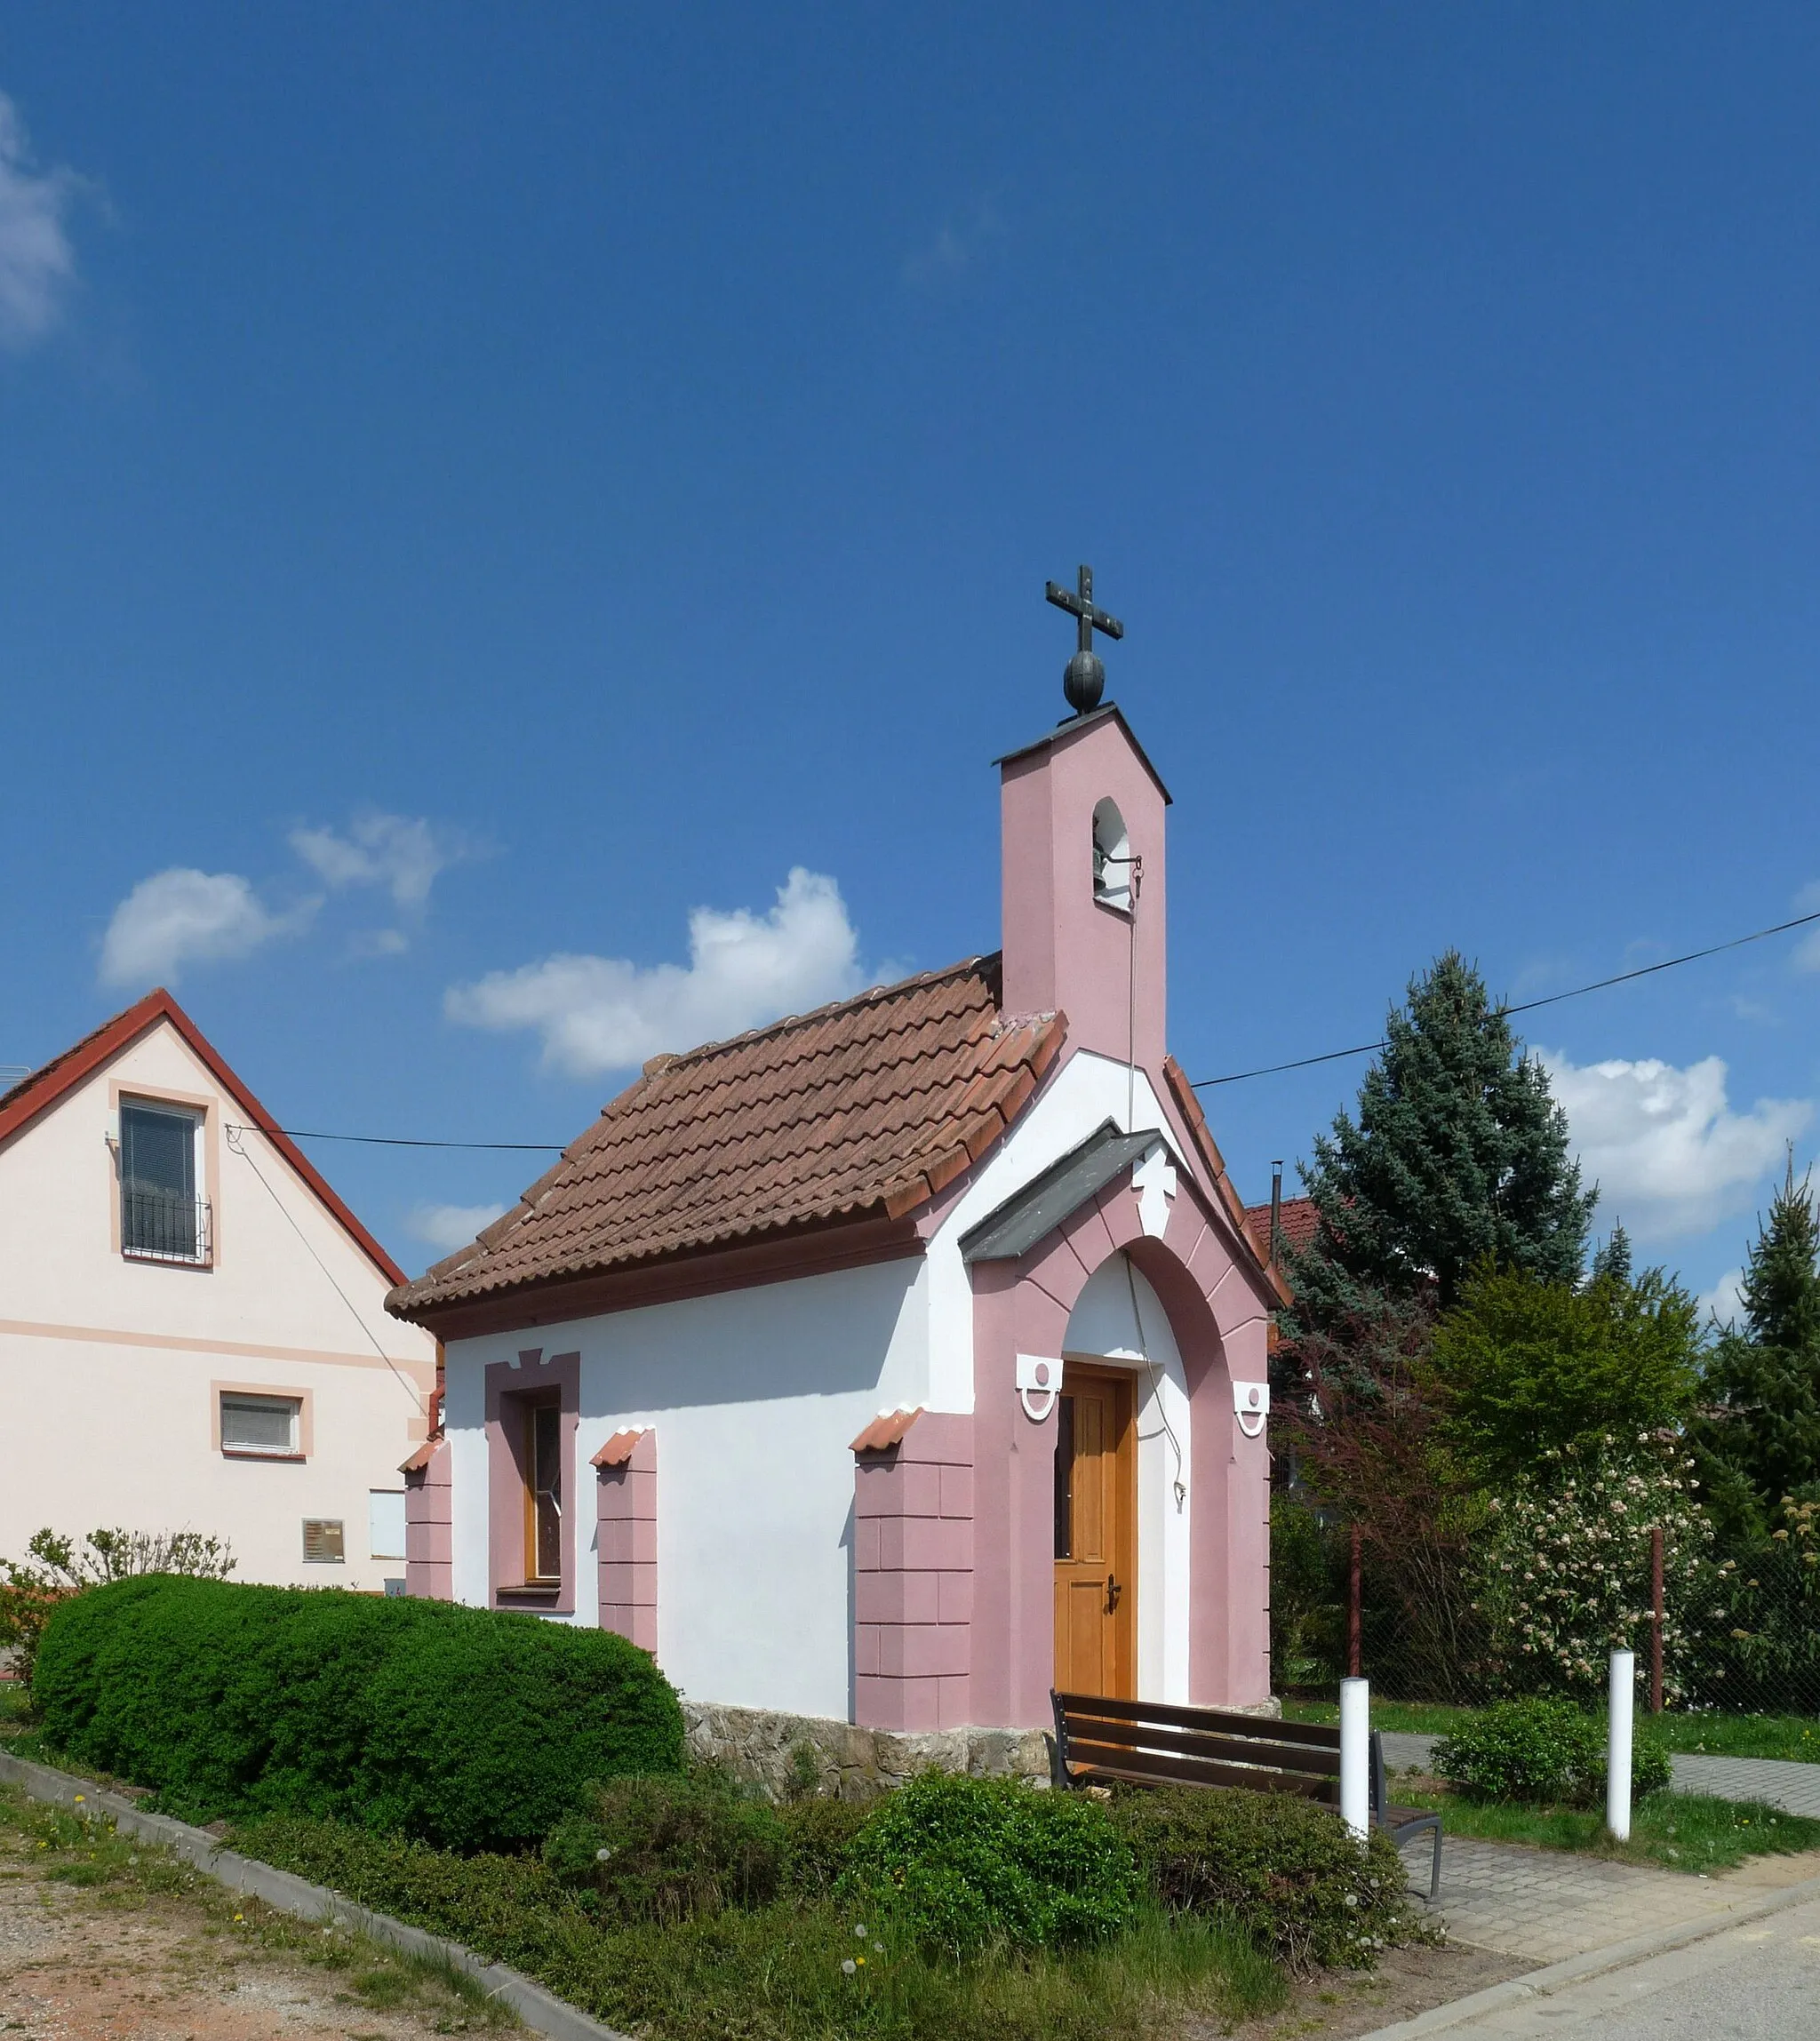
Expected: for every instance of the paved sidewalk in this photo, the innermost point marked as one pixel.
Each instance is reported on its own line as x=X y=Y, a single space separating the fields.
x=1544 y=1905
x=1792 y=1787
x=1757 y=1980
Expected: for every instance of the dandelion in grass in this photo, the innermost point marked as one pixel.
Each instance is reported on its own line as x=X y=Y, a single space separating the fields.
x=849 y=1966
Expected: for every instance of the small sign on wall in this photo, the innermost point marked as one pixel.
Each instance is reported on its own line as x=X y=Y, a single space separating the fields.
x=324 y=1539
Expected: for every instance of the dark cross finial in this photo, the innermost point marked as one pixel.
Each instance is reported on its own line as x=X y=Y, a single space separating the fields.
x=1083 y=681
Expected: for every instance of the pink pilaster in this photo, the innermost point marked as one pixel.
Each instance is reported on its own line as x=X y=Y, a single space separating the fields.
x=429 y=1520
x=627 y=1525
x=913 y=1577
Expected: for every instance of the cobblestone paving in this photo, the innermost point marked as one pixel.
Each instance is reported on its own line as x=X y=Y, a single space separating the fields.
x=1545 y=1904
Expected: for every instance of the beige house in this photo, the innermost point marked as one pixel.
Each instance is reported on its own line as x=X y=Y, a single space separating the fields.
x=193 y=1331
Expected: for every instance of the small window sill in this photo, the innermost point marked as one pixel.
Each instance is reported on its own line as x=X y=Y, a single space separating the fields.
x=257 y=1453
x=144 y=1258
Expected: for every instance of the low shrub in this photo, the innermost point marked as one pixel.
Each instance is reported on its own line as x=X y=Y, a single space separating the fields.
x=670 y=1849
x=821 y=1834
x=55 y=1567
x=1287 y=1871
x=788 y=1972
x=471 y=1728
x=959 y=1863
x=1543 y=1751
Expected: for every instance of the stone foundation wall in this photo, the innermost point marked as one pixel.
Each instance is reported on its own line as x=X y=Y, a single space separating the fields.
x=772 y=1750
x=849 y=1763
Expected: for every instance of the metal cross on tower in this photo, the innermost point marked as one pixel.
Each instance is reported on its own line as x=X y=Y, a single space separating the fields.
x=1083 y=682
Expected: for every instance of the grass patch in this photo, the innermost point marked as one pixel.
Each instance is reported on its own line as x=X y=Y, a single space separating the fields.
x=1795 y=1738
x=126 y=1874
x=785 y=1972
x=1677 y=1831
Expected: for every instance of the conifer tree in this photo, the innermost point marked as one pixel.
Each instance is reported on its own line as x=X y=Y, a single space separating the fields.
x=1757 y=1439
x=1459 y=1156
x=1612 y=1262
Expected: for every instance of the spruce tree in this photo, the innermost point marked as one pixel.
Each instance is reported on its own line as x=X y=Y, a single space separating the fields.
x=1459 y=1156
x=1757 y=1439
x=1612 y=1262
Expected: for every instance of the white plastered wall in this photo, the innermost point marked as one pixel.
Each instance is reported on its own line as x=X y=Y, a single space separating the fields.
x=1118 y=1320
x=1087 y=1091
x=756 y=1396
x=107 y=1365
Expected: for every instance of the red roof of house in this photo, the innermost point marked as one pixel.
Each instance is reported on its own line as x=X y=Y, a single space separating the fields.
x=36 y=1095
x=1298 y=1225
x=864 y=1108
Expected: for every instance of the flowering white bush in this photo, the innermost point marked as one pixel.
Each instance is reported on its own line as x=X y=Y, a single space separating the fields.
x=1565 y=1576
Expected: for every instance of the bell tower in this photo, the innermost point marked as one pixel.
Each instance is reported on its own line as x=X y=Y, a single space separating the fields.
x=1085 y=888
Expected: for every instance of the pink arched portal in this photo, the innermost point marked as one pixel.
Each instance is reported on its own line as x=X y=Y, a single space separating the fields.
x=996 y=1667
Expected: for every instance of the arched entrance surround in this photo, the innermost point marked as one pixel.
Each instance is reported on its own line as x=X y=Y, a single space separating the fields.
x=1218 y=1319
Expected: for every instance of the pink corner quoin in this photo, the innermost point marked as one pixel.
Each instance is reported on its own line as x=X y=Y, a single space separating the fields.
x=912 y=1572
x=627 y=1464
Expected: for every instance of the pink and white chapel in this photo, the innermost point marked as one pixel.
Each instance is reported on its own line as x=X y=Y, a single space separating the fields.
x=901 y=1361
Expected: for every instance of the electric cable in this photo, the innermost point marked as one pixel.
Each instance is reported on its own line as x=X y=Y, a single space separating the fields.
x=237 y=1147
x=1521 y=1005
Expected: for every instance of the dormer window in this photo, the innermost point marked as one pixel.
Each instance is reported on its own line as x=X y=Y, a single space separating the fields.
x=1112 y=859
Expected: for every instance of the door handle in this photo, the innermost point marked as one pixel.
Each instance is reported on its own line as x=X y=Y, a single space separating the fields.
x=1112 y=1591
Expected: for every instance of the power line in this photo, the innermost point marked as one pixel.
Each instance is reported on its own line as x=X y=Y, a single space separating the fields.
x=238 y=1147
x=1524 y=1007
x=403 y=1141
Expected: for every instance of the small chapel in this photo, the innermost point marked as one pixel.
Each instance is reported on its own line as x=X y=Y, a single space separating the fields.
x=898 y=1362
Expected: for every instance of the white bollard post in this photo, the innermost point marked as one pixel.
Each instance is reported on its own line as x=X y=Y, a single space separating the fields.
x=1355 y=1756
x=1617 y=1745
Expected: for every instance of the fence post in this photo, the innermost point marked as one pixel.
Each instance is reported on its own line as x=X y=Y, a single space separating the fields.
x=1617 y=1745
x=1355 y=1756
x=1655 y=1620
x=1355 y=1649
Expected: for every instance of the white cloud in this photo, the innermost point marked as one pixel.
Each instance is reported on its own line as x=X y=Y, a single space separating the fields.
x=1669 y=1154
x=181 y=914
x=37 y=263
x=446 y=1227
x=401 y=853
x=1723 y=1301
x=606 y=1013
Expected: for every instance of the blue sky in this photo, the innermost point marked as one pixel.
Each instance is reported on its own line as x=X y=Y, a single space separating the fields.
x=480 y=486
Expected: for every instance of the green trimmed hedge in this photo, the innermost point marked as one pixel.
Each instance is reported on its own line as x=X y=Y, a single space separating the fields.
x=468 y=1728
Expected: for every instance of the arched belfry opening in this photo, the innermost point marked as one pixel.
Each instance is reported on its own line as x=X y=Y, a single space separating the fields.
x=1111 y=857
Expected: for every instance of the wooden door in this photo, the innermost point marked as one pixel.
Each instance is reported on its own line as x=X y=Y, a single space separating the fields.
x=1096 y=1534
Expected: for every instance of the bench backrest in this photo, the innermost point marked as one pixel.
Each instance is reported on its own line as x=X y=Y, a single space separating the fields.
x=1157 y=1743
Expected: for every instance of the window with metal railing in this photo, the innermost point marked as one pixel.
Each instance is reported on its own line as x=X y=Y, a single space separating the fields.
x=163 y=1217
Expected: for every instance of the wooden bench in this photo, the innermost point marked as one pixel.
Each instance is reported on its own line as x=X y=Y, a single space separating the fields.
x=1153 y=1743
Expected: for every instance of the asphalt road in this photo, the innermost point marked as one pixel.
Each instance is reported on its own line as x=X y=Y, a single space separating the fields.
x=1757 y=1983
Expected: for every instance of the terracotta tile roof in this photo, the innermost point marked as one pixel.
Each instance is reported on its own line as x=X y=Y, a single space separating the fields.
x=420 y=1458
x=869 y=1106
x=1298 y=1223
x=617 y=1450
x=884 y=1432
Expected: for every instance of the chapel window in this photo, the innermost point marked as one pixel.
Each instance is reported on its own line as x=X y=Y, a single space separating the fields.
x=543 y=1495
x=1112 y=857
x=162 y=1216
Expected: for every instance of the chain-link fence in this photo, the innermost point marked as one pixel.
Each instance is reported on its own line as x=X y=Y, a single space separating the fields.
x=1741 y=1628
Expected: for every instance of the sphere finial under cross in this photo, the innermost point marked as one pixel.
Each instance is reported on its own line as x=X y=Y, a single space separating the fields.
x=1083 y=679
